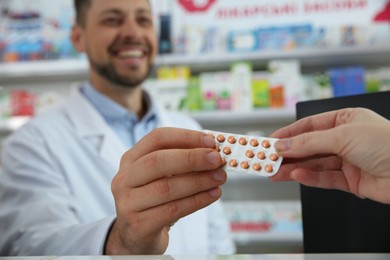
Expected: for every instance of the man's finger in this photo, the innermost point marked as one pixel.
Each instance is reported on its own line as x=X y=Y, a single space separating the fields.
x=317 y=122
x=174 y=210
x=310 y=144
x=177 y=187
x=169 y=138
x=325 y=179
x=315 y=164
x=164 y=163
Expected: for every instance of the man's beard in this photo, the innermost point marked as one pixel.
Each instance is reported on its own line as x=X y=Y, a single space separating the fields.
x=109 y=73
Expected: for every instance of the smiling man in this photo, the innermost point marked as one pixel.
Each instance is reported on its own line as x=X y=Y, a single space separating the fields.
x=120 y=41
x=109 y=172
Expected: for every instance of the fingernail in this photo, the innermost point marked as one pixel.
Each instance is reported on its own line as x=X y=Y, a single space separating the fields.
x=282 y=145
x=219 y=176
x=214 y=192
x=208 y=141
x=214 y=158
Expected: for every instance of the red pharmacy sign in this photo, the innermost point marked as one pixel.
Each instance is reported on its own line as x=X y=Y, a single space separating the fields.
x=196 y=5
x=384 y=15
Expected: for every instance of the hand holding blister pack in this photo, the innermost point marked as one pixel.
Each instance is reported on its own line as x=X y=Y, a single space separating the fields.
x=251 y=154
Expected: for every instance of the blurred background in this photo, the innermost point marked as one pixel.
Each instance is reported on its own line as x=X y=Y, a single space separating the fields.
x=235 y=66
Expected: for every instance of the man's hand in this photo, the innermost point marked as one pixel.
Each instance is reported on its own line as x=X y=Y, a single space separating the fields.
x=345 y=149
x=167 y=175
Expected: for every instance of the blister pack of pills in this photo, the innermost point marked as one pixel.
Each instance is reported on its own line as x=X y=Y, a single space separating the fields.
x=251 y=154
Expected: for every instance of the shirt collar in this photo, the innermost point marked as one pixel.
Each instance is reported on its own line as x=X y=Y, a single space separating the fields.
x=112 y=111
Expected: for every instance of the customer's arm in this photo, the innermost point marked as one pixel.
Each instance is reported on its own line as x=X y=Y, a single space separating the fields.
x=346 y=150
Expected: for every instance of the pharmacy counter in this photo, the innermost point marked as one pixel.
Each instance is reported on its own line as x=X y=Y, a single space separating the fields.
x=232 y=257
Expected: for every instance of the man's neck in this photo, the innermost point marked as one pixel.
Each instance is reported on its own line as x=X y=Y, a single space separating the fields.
x=129 y=98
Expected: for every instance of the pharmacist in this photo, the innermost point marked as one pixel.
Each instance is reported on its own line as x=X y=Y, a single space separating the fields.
x=59 y=169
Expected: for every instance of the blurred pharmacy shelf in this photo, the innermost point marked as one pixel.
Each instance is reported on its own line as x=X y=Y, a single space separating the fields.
x=209 y=118
x=258 y=116
x=308 y=57
x=285 y=238
x=265 y=221
x=37 y=69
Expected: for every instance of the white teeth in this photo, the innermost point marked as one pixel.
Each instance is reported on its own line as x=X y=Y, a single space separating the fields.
x=131 y=54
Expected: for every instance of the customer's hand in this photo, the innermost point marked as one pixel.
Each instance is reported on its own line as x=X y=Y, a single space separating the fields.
x=347 y=149
x=169 y=174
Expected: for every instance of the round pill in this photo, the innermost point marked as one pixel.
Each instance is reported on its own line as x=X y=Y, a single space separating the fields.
x=254 y=142
x=244 y=165
x=242 y=141
x=261 y=155
x=227 y=150
x=273 y=157
x=221 y=138
x=265 y=144
x=256 y=167
x=249 y=154
x=233 y=163
x=231 y=139
x=268 y=168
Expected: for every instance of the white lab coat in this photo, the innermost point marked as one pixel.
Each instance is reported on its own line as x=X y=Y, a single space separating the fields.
x=55 y=194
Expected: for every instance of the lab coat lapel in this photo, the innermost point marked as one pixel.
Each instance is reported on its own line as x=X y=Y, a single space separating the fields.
x=182 y=234
x=91 y=127
x=196 y=225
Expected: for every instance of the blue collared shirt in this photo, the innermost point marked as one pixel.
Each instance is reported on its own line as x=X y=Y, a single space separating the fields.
x=125 y=123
